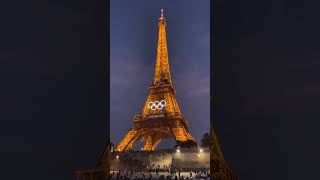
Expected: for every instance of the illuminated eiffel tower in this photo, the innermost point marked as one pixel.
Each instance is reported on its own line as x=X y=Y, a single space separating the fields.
x=161 y=117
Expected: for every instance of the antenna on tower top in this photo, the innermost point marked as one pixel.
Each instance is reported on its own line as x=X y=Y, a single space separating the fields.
x=161 y=13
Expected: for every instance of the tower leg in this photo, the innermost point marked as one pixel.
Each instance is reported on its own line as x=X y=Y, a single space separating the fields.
x=156 y=143
x=181 y=134
x=151 y=142
x=127 y=142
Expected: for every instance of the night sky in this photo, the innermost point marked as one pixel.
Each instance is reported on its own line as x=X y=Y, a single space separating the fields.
x=133 y=44
x=54 y=99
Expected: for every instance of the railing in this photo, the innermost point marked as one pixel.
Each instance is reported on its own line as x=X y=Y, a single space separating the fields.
x=165 y=115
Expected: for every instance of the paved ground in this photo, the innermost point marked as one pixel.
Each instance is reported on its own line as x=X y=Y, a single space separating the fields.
x=183 y=175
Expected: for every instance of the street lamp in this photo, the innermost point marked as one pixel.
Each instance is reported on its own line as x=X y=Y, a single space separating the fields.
x=178 y=151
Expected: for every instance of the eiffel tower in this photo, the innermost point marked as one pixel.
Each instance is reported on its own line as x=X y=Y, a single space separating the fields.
x=161 y=117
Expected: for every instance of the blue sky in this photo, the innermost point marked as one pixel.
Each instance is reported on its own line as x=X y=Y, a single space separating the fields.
x=133 y=42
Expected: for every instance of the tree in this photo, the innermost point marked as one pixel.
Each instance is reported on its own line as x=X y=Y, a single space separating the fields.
x=205 y=141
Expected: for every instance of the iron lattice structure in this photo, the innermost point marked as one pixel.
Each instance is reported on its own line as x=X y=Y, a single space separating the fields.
x=161 y=116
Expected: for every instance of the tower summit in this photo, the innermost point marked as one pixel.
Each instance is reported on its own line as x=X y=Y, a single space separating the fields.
x=162 y=70
x=161 y=14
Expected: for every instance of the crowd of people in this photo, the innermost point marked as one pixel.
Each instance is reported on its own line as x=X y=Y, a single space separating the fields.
x=160 y=174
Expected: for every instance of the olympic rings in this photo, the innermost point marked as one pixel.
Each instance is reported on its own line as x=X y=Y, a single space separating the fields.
x=157 y=105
